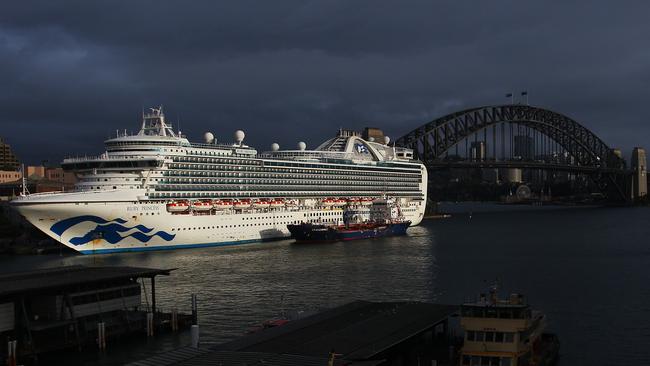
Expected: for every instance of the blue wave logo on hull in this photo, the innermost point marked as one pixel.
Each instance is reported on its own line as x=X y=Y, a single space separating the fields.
x=108 y=230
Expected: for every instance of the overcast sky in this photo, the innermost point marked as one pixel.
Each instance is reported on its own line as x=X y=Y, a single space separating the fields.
x=72 y=72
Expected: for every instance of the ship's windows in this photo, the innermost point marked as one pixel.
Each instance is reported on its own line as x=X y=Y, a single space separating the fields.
x=466 y=360
x=506 y=361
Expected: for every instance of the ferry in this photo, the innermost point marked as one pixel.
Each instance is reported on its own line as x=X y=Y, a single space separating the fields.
x=156 y=190
x=505 y=332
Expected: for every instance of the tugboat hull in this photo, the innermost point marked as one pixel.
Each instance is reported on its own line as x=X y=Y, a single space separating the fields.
x=310 y=233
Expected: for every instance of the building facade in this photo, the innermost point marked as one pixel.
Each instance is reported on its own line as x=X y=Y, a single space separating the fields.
x=8 y=160
x=640 y=172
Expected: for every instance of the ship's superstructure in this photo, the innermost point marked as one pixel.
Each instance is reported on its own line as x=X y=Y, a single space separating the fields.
x=157 y=190
x=505 y=332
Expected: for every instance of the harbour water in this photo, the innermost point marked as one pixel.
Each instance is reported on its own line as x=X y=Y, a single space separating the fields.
x=587 y=268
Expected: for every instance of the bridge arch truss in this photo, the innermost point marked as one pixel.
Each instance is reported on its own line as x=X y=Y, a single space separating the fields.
x=433 y=141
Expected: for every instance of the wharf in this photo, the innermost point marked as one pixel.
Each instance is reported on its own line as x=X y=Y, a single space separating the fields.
x=358 y=333
x=78 y=306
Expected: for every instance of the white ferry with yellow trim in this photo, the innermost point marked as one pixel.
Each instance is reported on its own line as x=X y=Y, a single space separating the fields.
x=157 y=190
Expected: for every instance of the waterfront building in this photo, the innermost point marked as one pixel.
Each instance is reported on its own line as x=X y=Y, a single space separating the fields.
x=640 y=171
x=35 y=171
x=158 y=190
x=477 y=151
x=8 y=160
x=7 y=176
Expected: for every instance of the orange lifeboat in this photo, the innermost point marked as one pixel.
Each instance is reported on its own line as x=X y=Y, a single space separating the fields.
x=277 y=203
x=353 y=201
x=178 y=206
x=366 y=201
x=261 y=204
x=201 y=205
x=222 y=204
x=339 y=202
x=242 y=204
x=328 y=202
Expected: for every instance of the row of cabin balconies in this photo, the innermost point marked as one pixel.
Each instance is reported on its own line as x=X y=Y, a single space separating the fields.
x=284 y=174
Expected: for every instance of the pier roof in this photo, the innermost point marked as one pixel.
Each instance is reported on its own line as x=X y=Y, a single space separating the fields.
x=357 y=331
x=52 y=279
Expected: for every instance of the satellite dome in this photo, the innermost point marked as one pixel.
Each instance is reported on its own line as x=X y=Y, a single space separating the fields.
x=209 y=137
x=275 y=146
x=386 y=140
x=239 y=136
x=302 y=146
x=371 y=139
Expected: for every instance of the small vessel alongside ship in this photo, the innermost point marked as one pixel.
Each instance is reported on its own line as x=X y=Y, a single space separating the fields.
x=505 y=332
x=381 y=219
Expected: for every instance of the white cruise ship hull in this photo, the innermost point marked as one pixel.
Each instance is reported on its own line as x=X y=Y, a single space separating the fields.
x=93 y=226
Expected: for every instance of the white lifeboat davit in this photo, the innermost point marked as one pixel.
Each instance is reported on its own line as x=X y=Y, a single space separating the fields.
x=178 y=206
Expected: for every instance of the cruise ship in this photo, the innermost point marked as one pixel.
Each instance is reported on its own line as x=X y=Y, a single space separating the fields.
x=157 y=190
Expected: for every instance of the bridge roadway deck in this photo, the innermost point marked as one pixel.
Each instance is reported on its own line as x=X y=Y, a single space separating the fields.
x=487 y=164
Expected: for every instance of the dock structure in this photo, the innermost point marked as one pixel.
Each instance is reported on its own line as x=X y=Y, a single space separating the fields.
x=75 y=306
x=358 y=333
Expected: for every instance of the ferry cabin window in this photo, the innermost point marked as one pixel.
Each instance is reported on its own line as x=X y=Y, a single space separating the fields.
x=509 y=337
x=498 y=337
x=471 y=335
x=489 y=336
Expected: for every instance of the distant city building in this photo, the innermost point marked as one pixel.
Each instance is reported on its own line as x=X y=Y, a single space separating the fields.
x=8 y=160
x=511 y=175
x=9 y=176
x=639 y=178
x=38 y=179
x=35 y=172
x=477 y=150
x=524 y=147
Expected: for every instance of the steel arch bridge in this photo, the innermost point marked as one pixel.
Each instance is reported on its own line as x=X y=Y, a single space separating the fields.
x=432 y=141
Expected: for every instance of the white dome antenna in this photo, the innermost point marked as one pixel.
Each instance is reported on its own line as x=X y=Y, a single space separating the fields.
x=386 y=140
x=371 y=139
x=302 y=146
x=208 y=137
x=275 y=146
x=239 y=136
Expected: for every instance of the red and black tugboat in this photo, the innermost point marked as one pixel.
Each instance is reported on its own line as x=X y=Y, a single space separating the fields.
x=384 y=219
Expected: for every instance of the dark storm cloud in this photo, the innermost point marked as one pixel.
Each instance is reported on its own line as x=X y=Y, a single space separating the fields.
x=73 y=72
